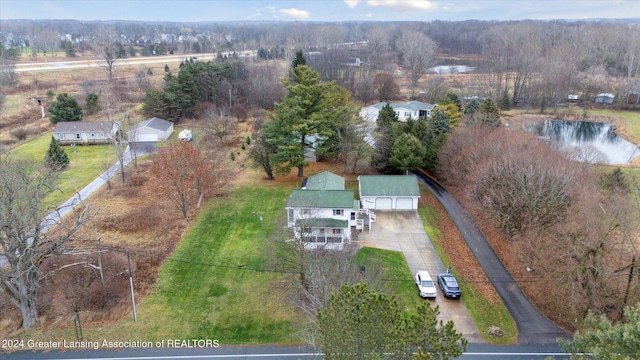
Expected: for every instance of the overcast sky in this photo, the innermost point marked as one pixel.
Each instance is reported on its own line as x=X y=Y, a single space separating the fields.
x=317 y=10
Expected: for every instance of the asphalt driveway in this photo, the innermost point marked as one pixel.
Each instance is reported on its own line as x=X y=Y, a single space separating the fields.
x=533 y=327
x=403 y=231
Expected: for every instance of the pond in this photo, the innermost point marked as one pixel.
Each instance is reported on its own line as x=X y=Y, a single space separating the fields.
x=586 y=141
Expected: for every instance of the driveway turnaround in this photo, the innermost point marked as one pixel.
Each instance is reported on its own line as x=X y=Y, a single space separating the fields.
x=533 y=328
x=403 y=231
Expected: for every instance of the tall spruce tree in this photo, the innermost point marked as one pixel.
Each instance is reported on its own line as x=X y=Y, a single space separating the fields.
x=387 y=119
x=56 y=158
x=309 y=109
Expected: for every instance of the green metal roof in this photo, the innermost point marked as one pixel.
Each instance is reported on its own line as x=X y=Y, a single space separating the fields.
x=325 y=181
x=388 y=185
x=322 y=222
x=337 y=199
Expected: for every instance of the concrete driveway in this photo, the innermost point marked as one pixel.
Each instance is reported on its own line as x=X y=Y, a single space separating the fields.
x=403 y=231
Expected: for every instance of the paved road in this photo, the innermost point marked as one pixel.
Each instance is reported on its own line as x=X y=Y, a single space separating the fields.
x=403 y=231
x=474 y=352
x=533 y=328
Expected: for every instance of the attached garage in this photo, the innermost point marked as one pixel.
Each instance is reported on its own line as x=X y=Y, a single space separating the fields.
x=389 y=192
x=383 y=203
x=404 y=203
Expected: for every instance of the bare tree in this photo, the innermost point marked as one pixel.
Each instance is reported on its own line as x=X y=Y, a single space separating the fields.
x=109 y=59
x=185 y=175
x=29 y=234
x=417 y=51
x=8 y=74
x=219 y=121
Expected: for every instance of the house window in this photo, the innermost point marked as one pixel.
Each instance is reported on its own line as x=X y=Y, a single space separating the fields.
x=61 y=136
x=102 y=135
x=322 y=230
x=305 y=211
x=338 y=212
x=337 y=231
x=77 y=136
x=93 y=135
x=307 y=230
x=353 y=216
x=407 y=114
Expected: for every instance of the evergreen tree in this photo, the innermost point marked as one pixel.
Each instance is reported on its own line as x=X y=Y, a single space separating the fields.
x=602 y=340
x=67 y=46
x=387 y=120
x=56 y=158
x=65 y=108
x=440 y=122
x=489 y=113
x=452 y=98
x=472 y=107
x=132 y=51
x=359 y=323
x=406 y=153
x=298 y=60
x=505 y=104
x=153 y=103
x=310 y=108
x=93 y=106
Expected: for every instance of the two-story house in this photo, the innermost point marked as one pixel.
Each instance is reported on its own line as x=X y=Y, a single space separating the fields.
x=323 y=213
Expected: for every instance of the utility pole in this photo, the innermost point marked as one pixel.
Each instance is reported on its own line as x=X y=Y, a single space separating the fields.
x=133 y=299
x=100 y=262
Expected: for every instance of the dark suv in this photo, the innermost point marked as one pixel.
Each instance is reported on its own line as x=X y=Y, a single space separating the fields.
x=449 y=286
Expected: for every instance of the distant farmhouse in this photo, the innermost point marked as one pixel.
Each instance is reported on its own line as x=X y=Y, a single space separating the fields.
x=85 y=132
x=412 y=109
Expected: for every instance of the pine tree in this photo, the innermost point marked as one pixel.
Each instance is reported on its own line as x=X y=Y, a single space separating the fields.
x=65 y=108
x=387 y=118
x=56 y=158
x=93 y=106
x=298 y=61
x=505 y=102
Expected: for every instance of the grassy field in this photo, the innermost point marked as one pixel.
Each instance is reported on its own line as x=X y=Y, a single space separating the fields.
x=215 y=285
x=85 y=164
x=484 y=313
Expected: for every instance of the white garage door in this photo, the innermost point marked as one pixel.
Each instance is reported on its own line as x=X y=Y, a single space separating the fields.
x=404 y=204
x=146 y=137
x=383 y=203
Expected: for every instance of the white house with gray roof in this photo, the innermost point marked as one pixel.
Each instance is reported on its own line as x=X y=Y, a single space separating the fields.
x=85 y=132
x=389 y=192
x=150 y=130
x=412 y=109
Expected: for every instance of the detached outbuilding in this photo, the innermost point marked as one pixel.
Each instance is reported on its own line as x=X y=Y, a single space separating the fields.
x=150 y=130
x=85 y=132
x=604 y=98
x=389 y=192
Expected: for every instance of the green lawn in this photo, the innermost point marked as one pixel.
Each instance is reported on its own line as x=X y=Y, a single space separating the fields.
x=484 y=314
x=214 y=285
x=395 y=275
x=85 y=164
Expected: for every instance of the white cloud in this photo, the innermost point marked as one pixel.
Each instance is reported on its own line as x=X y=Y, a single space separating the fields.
x=352 y=3
x=254 y=16
x=296 y=13
x=404 y=4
